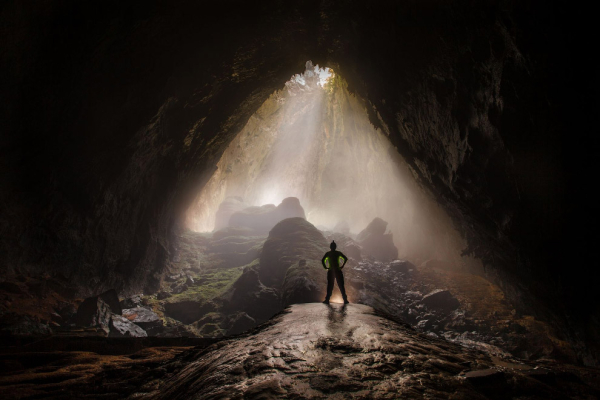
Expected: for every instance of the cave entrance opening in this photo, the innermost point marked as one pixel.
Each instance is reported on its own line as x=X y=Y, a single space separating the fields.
x=313 y=141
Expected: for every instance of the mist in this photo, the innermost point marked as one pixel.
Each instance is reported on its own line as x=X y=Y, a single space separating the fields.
x=313 y=140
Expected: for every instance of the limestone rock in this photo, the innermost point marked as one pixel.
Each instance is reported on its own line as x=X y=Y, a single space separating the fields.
x=376 y=243
x=131 y=302
x=249 y=295
x=305 y=282
x=441 y=299
x=289 y=241
x=94 y=312
x=264 y=218
x=122 y=327
x=111 y=298
x=240 y=322
x=144 y=318
x=226 y=209
x=342 y=227
x=402 y=266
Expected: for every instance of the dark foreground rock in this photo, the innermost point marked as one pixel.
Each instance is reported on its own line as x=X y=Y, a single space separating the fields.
x=250 y=296
x=319 y=351
x=187 y=311
x=94 y=312
x=442 y=299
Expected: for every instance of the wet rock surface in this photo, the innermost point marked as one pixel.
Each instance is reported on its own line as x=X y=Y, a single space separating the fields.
x=336 y=351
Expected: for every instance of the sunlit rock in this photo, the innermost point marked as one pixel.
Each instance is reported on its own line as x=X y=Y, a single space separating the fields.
x=226 y=209
x=376 y=242
x=263 y=219
x=342 y=227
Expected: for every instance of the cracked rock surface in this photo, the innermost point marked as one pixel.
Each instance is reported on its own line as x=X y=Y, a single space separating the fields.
x=335 y=351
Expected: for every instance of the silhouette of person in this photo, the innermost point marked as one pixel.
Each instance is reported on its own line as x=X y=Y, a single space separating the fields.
x=331 y=262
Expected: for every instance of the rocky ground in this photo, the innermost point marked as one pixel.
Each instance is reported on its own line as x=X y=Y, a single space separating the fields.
x=310 y=351
x=232 y=280
x=440 y=330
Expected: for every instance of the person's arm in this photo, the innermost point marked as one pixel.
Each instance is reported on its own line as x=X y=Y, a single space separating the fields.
x=345 y=259
x=323 y=261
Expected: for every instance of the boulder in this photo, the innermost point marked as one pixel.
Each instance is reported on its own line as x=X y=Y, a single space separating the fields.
x=226 y=209
x=441 y=299
x=240 y=322
x=263 y=219
x=163 y=295
x=180 y=288
x=402 y=266
x=305 y=282
x=342 y=227
x=145 y=318
x=111 y=298
x=249 y=295
x=94 y=312
x=289 y=241
x=376 y=243
x=122 y=327
x=132 y=302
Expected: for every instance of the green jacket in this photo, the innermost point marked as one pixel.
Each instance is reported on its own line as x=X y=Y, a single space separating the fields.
x=331 y=259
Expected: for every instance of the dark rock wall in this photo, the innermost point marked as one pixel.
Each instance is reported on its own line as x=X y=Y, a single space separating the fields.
x=114 y=116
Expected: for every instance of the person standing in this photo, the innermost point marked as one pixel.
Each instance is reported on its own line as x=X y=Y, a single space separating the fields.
x=331 y=262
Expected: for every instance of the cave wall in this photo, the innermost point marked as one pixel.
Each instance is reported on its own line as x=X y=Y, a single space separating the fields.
x=115 y=115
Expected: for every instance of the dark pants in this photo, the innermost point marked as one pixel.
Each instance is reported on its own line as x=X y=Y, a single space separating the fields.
x=335 y=274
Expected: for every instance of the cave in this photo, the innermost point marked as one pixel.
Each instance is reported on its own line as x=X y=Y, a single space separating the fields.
x=173 y=172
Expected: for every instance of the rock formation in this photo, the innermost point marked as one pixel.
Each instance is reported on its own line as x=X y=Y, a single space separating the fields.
x=226 y=209
x=263 y=219
x=289 y=241
x=376 y=242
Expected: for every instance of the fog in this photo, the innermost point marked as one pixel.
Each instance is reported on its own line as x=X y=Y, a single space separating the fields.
x=313 y=140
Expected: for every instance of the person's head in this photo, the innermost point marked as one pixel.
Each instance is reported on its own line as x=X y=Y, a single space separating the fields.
x=332 y=246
